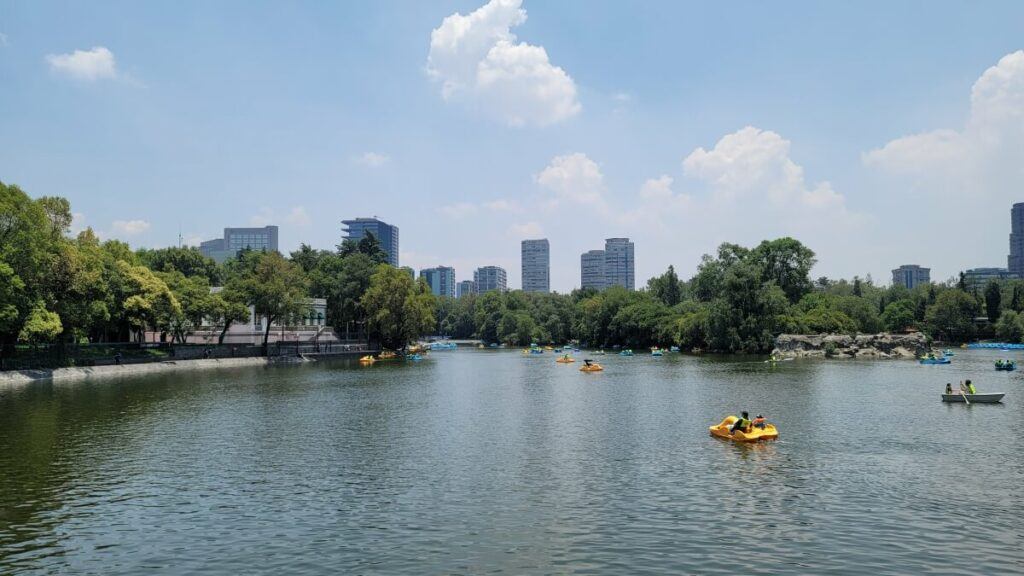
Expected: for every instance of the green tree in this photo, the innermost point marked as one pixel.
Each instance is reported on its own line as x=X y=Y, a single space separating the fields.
x=273 y=286
x=399 y=309
x=40 y=326
x=368 y=245
x=786 y=262
x=226 y=308
x=1009 y=327
x=666 y=287
x=993 y=298
x=898 y=316
x=187 y=260
x=952 y=316
x=149 y=302
x=828 y=320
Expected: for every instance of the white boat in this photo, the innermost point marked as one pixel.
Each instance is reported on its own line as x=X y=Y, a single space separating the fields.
x=987 y=398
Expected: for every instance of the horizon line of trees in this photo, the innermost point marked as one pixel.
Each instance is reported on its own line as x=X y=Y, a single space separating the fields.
x=57 y=288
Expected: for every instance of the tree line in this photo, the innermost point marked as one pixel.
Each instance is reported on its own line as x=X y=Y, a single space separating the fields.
x=55 y=287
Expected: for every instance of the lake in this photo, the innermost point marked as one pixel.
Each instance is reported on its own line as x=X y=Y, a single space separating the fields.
x=489 y=461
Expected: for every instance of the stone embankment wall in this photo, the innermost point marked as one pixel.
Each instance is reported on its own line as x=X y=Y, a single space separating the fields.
x=70 y=374
x=882 y=345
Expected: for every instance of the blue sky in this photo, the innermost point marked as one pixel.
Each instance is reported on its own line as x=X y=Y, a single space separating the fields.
x=877 y=133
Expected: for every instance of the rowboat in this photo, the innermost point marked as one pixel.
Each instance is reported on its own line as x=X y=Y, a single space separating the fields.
x=987 y=398
x=935 y=361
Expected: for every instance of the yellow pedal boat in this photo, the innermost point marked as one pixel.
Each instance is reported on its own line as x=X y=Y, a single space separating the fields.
x=565 y=360
x=367 y=360
x=769 y=432
x=592 y=367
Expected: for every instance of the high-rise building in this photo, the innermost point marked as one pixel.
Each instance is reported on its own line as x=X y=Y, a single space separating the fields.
x=1015 y=261
x=619 y=266
x=465 y=288
x=408 y=270
x=976 y=279
x=237 y=239
x=536 y=262
x=487 y=278
x=592 y=270
x=385 y=233
x=441 y=280
x=911 y=275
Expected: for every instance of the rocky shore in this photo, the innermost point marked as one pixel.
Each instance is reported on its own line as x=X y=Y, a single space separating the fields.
x=882 y=345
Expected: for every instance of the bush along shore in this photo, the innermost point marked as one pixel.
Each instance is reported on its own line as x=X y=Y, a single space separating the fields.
x=882 y=345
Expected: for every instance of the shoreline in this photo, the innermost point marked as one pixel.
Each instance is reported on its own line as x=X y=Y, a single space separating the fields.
x=16 y=377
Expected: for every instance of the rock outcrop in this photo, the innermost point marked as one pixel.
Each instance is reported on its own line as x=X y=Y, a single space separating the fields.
x=882 y=345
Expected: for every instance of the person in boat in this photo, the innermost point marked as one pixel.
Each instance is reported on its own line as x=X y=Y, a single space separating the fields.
x=742 y=423
x=949 y=388
x=760 y=422
x=970 y=388
x=586 y=362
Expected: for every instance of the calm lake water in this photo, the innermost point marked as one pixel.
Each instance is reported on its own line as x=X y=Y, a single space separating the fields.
x=492 y=462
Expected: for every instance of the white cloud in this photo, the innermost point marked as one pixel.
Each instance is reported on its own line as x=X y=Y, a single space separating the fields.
x=659 y=188
x=371 y=159
x=986 y=155
x=754 y=164
x=622 y=97
x=78 y=223
x=478 y=61
x=298 y=217
x=526 y=230
x=574 y=178
x=86 y=65
x=129 y=227
x=458 y=210
x=963 y=178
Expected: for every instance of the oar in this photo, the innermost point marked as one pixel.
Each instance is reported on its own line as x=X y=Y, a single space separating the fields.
x=965 y=397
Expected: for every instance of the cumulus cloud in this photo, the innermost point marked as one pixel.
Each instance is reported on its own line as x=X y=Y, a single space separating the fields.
x=298 y=217
x=755 y=164
x=985 y=156
x=129 y=227
x=89 y=65
x=659 y=188
x=961 y=178
x=573 y=178
x=478 y=61
x=371 y=159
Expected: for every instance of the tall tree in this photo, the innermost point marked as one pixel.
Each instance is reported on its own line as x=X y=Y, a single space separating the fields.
x=666 y=287
x=788 y=263
x=187 y=260
x=275 y=287
x=398 y=308
x=993 y=297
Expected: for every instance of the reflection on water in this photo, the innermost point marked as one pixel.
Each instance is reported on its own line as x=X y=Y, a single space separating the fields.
x=489 y=461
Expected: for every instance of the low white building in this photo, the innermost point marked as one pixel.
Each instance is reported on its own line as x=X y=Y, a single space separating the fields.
x=309 y=326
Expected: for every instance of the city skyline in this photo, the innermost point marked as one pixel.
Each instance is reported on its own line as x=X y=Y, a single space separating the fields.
x=158 y=132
